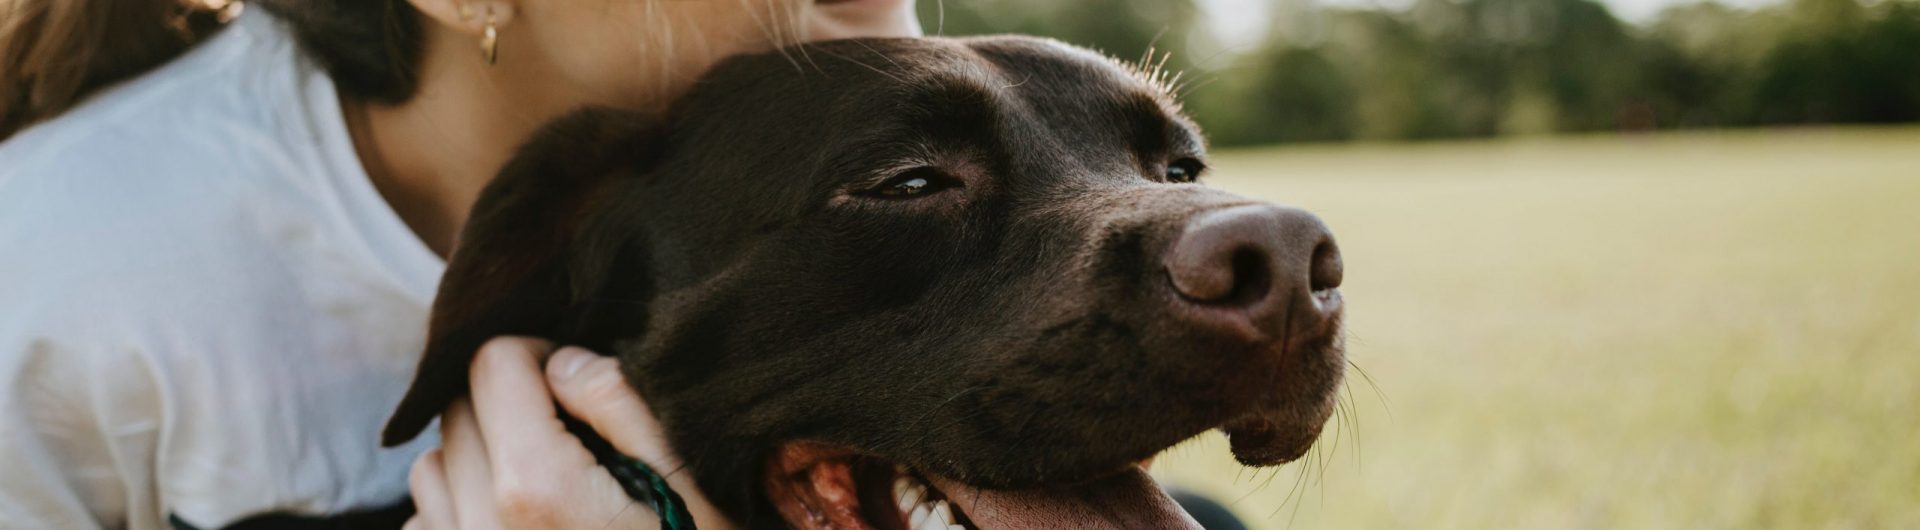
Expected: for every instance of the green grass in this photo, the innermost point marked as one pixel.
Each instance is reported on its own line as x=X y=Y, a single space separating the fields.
x=1700 y=331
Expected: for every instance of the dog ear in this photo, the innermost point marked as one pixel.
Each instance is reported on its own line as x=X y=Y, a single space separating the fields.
x=516 y=268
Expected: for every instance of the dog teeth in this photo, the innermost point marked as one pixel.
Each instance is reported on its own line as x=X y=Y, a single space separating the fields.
x=943 y=512
x=917 y=505
x=901 y=487
x=920 y=517
x=908 y=493
x=937 y=516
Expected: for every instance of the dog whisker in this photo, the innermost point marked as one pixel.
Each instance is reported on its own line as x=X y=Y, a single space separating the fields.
x=1385 y=404
x=1196 y=85
x=1353 y=412
x=1299 y=484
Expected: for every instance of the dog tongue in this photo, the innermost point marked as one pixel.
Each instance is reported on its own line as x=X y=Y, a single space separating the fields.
x=1123 y=501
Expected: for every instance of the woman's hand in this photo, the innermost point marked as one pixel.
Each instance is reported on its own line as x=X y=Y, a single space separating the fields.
x=507 y=462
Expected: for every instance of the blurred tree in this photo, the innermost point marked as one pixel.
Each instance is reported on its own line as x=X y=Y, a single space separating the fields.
x=1700 y=61
x=1122 y=28
x=1839 y=65
x=1461 y=68
x=1288 y=95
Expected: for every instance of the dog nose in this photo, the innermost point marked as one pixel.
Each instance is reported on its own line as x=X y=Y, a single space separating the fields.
x=1260 y=259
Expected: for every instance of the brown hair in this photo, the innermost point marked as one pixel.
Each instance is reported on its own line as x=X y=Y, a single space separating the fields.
x=53 y=53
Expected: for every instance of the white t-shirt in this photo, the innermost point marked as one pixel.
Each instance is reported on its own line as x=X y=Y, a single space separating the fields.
x=206 y=309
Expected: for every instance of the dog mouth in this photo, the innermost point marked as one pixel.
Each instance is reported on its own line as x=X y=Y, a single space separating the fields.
x=818 y=487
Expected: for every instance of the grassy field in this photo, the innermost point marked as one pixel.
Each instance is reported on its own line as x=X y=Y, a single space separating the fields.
x=1703 y=331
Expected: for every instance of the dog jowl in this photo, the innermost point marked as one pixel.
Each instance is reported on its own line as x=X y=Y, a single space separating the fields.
x=856 y=279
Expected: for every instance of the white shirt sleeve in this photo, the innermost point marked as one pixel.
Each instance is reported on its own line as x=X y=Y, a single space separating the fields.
x=68 y=436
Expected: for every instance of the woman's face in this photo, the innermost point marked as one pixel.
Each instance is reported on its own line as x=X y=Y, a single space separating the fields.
x=637 y=53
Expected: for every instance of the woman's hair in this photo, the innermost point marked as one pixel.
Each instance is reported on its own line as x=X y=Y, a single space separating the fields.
x=54 y=53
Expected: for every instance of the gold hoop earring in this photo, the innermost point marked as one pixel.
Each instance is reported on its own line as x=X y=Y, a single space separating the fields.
x=490 y=41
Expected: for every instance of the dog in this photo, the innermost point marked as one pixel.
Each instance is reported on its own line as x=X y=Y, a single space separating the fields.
x=974 y=277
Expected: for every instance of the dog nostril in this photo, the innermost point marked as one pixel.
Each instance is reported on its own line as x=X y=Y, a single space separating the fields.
x=1227 y=257
x=1326 y=270
x=1251 y=277
x=1259 y=273
x=1242 y=278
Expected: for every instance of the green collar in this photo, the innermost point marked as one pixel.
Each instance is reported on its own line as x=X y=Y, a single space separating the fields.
x=644 y=485
x=639 y=480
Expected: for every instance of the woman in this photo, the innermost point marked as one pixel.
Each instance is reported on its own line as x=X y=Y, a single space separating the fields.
x=219 y=240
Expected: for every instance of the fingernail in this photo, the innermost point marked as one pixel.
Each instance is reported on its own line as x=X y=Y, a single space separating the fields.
x=571 y=360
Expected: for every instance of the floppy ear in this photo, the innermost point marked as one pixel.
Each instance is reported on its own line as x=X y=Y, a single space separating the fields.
x=515 y=269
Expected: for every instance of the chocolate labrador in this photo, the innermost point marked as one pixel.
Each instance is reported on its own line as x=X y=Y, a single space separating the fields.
x=883 y=284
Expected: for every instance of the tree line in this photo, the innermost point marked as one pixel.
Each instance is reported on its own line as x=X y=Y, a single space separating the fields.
x=1476 y=68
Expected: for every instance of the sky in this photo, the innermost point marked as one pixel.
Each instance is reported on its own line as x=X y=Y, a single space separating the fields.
x=1244 y=20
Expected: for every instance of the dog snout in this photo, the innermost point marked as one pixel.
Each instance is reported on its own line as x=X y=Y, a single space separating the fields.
x=1250 y=267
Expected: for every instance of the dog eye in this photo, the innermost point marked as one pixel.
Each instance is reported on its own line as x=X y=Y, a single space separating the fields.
x=912 y=183
x=1184 y=170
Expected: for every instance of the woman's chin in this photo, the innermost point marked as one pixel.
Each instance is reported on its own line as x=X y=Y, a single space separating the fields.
x=846 y=19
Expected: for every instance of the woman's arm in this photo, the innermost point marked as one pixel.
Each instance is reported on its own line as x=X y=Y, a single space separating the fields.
x=507 y=462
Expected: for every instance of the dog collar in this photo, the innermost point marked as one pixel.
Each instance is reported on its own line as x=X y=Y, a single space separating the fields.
x=644 y=485
x=638 y=479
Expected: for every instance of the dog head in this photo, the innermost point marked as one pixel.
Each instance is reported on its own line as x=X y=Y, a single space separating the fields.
x=850 y=271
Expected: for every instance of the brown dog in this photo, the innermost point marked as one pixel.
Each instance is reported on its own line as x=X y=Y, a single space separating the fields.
x=969 y=279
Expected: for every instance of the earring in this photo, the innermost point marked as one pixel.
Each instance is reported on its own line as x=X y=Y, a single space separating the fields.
x=490 y=34
x=490 y=40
